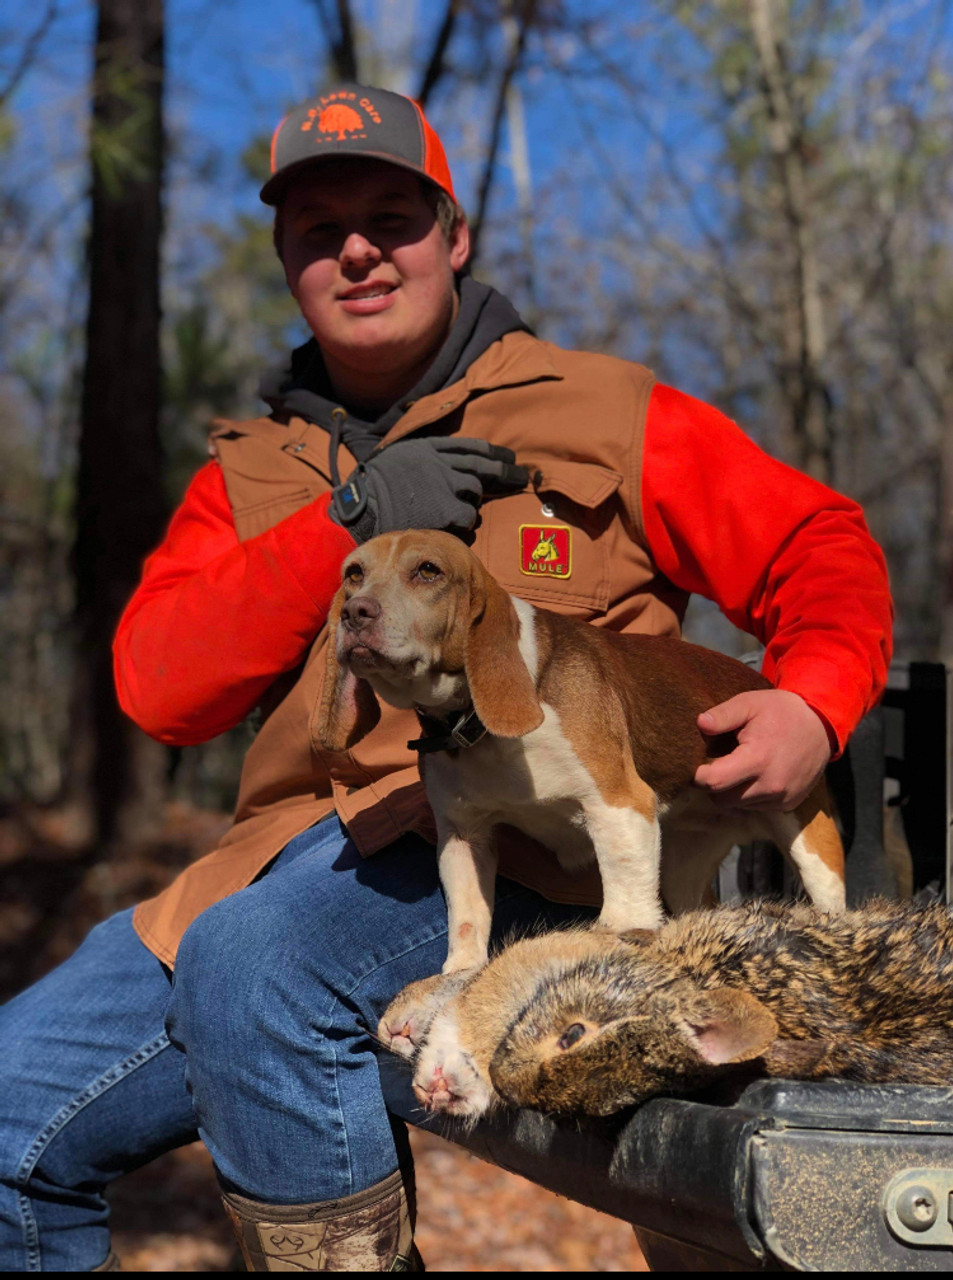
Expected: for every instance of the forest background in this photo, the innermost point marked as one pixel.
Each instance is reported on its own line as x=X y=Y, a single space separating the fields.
x=753 y=197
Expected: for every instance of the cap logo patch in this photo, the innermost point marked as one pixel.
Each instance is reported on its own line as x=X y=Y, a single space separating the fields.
x=546 y=550
x=341 y=120
x=338 y=119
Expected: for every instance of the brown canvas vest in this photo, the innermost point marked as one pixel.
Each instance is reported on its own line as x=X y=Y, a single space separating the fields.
x=577 y=422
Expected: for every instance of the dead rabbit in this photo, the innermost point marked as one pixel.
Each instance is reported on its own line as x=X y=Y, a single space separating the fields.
x=582 y=1021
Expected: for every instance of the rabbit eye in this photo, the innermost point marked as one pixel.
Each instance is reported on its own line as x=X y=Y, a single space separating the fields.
x=571 y=1035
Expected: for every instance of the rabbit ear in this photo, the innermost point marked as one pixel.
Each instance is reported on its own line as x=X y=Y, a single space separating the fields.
x=502 y=689
x=348 y=710
x=724 y=1025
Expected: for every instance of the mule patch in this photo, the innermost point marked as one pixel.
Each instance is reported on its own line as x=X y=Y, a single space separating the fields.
x=545 y=550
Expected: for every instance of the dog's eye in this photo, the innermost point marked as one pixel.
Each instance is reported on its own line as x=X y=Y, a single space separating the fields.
x=353 y=573
x=428 y=571
x=571 y=1035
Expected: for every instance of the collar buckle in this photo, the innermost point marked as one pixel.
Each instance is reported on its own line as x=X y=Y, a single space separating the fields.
x=467 y=731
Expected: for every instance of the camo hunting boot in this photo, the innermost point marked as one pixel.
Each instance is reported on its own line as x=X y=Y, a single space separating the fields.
x=370 y=1231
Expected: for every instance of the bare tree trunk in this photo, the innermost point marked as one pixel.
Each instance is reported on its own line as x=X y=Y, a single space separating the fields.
x=945 y=548
x=339 y=30
x=808 y=393
x=523 y=182
x=437 y=62
x=120 y=506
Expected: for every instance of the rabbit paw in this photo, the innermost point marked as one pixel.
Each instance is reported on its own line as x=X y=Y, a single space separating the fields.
x=409 y=1016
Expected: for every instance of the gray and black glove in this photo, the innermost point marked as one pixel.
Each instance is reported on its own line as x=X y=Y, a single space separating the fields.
x=436 y=483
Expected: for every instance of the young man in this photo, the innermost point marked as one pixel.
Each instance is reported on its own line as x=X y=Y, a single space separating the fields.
x=421 y=401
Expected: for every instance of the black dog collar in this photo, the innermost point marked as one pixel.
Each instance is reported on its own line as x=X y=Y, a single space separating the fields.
x=465 y=732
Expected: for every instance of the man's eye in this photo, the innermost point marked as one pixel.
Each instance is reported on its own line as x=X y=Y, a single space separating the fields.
x=428 y=571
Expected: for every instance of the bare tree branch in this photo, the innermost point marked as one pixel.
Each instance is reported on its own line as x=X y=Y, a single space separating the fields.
x=436 y=63
x=717 y=269
x=29 y=52
x=346 y=53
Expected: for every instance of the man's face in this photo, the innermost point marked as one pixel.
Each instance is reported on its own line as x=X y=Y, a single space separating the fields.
x=369 y=266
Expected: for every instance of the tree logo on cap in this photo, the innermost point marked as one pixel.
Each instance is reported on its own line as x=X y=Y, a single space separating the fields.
x=341 y=120
x=338 y=120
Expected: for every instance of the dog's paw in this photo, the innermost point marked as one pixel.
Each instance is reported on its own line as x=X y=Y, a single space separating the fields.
x=646 y=921
x=409 y=1016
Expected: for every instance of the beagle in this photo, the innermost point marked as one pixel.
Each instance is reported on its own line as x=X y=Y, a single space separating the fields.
x=581 y=737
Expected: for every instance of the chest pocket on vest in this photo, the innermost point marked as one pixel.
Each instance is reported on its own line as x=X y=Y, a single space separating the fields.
x=549 y=545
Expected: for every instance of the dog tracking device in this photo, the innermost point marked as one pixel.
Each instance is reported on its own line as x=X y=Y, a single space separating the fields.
x=350 y=498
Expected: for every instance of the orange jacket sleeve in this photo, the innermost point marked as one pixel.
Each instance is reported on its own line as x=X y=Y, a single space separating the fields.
x=785 y=558
x=214 y=621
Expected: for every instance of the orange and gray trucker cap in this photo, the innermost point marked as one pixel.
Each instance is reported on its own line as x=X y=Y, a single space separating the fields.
x=355 y=120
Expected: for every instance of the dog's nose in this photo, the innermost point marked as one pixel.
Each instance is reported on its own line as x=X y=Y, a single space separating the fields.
x=359 y=612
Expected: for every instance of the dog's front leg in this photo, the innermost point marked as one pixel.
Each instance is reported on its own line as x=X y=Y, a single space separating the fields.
x=628 y=849
x=467 y=866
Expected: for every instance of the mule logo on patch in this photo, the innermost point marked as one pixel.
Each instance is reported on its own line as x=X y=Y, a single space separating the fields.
x=545 y=550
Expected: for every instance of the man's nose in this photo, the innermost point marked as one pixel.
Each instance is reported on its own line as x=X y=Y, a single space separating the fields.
x=358 y=251
x=359 y=612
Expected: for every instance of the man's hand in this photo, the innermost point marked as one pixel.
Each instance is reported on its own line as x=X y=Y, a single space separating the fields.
x=434 y=483
x=782 y=750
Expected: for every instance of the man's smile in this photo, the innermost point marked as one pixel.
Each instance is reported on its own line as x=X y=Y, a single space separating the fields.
x=368 y=298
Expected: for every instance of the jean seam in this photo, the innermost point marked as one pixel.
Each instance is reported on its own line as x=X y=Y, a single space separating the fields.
x=332 y=999
x=337 y=997
x=340 y=1111
x=56 y=1125
x=399 y=955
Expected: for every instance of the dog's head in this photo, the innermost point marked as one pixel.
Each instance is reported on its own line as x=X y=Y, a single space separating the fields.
x=419 y=621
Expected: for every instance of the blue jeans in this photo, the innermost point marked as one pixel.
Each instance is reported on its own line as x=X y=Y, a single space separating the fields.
x=262 y=1046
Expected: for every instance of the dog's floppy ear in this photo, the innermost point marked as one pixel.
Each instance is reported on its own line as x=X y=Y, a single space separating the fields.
x=502 y=689
x=725 y=1025
x=349 y=710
